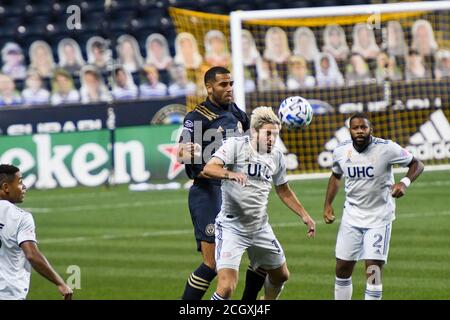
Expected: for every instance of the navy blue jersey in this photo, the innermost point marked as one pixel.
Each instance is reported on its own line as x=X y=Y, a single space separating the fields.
x=219 y=123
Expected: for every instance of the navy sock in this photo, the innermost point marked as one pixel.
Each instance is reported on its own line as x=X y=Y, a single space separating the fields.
x=254 y=281
x=198 y=282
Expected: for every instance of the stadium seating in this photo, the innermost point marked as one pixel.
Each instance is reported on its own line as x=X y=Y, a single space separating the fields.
x=24 y=21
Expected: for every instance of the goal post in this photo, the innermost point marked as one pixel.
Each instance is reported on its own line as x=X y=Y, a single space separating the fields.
x=370 y=11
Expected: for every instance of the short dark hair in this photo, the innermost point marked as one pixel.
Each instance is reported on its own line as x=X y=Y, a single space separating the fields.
x=210 y=75
x=359 y=115
x=7 y=172
x=118 y=69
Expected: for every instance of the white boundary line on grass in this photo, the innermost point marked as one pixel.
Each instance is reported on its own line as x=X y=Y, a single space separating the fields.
x=186 y=231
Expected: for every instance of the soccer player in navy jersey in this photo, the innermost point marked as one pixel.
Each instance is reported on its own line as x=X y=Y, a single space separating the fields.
x=204 y=129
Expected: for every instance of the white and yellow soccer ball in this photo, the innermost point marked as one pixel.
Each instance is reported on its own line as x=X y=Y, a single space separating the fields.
x=295 y=112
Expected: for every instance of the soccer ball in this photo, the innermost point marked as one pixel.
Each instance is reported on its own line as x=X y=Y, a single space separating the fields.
x=295 y=112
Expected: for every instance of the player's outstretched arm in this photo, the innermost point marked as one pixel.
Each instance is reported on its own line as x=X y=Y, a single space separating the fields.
x=291 y=201
x=215 y=169
x=333 y=187
x=43 y=267
x=415 y=169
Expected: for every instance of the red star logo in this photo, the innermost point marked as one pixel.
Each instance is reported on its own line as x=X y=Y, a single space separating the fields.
x=170 y=151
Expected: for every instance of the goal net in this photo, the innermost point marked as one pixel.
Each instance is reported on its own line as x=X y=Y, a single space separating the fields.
x=391 y=61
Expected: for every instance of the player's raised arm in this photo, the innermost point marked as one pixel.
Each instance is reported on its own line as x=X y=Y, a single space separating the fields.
x=215 y=169
x=43 y=267
x=333 y=187
x=291 y=201
x=415 y=169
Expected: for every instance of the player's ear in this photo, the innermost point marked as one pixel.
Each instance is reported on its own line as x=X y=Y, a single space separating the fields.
x=4 y=187
x=209 y=88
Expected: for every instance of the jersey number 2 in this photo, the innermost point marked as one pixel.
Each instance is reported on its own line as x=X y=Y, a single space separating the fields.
x=377 y=243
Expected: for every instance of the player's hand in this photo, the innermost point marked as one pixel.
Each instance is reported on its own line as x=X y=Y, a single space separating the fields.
x=328 y=215
x=311 y=226
x=191 y=148
x=188 y=150
x=65 y=291
x=398 y=190
x=239 y=177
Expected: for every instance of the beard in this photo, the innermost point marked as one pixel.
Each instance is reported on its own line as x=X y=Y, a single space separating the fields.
x=360 y=143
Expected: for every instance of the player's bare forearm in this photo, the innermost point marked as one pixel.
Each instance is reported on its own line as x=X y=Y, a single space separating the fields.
x=202 y=174
x=215 y=169
x=333 y=187
x=290 y=200
x=415 y=169
x=215 y=172
x=40 y=263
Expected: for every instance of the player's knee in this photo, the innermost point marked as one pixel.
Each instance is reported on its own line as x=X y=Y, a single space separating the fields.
x=285 y=276
x=210 y=262
x=226 y=287
x=344 y=269
x=280 y=277
x=208 y=252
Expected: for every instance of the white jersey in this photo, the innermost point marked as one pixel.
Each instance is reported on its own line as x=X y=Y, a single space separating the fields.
x=368 y=179
x=39 y=97
x=244 y=208
x=72 y=97
x=16 y=226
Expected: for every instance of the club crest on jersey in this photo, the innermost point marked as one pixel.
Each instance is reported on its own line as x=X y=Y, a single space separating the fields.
x=360 y=172
x=188 y=124
x=210 y=230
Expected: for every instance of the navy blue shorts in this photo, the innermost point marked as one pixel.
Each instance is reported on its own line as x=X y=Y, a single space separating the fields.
x=205 y=200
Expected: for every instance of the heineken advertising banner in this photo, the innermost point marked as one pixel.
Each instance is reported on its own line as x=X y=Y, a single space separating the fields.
x=26 y=120
x=84 y=158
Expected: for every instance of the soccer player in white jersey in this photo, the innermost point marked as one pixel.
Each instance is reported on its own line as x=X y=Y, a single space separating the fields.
x=364 y=234
x=18 y=248
x=248 y=167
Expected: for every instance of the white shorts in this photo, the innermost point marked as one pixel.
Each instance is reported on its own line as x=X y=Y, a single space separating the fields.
x=262 y=247
x=355 y=243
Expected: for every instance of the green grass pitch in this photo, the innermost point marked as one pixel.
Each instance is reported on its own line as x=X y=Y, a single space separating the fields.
x=131 y=245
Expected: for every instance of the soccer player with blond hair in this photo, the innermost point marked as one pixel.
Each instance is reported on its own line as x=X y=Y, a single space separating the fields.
x=248 y=166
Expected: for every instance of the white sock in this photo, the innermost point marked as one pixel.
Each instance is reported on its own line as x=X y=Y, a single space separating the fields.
x=343 y=289
x=271 y=291
x=216 y=296
x=374 y=292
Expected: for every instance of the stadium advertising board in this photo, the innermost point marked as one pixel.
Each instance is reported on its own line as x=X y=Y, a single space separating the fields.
x=415 y=114
x=73 y=118
x=84 y=158
x=425 y=133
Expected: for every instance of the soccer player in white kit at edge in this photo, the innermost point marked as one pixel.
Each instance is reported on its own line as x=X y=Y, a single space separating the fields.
x=369 y=209
x=248 y=166
x=18 y=249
